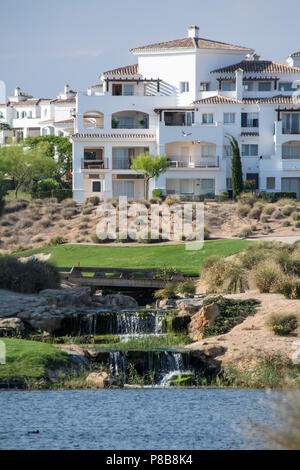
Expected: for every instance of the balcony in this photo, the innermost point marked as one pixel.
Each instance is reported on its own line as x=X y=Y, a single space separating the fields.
x=94 y=164
x=190 y=162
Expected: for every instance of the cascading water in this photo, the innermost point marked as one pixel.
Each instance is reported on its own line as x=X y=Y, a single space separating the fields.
x=118 y=363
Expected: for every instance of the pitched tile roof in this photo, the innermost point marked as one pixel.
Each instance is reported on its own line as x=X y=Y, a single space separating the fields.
x=126 y=70
x=218 y=99
x=66 y=121
x=260 y=66
x=194 y=43
x=295 y=54
x=278 y=99
x=114 y=136
x=68 y=100
x=33 y=102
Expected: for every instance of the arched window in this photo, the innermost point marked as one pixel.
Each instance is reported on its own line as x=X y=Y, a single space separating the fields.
x=93 y=119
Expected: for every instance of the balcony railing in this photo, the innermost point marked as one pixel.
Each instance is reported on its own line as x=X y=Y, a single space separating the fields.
x=94 y=164
x=194 y=162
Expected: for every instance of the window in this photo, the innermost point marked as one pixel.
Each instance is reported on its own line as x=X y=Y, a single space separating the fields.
x=249 y=120
x=291 y=123
x=45 y=112
x=207 y=118
x=248 y=86
x=291 y=151
x=204 y=86
x=208 y=151
x=271 y=182
x=128 y=90
x=123 y=188
x=228 y=85
x=253 y=177
x=23 y=114
x=96 y=186
x=116 y=89
x=30 y=114
x=264 y=86
x=229 y=118
x=18 y=115
x=286 y=86
x=184 y=87
x=208 y=184
x=249 y=150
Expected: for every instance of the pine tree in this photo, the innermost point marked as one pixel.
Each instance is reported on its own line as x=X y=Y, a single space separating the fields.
x=236 y=167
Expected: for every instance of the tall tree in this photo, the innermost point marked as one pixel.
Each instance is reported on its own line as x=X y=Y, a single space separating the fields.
x=23 y=165
x=151 y=166
x=236 y=167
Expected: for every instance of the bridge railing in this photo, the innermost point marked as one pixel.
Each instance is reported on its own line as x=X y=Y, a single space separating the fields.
x=121 y=273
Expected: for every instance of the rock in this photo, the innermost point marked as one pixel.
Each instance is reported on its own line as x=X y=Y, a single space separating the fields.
x=11 y=326
x=205 y=317
x=100 y=380
x=48 y=323
x=62 y=297
x=188 y=306
x=167 y=304
x=214 y=351
x=120 y=301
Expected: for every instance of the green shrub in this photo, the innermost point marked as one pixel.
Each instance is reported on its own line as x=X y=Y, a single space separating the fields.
x=30 y=277
x=281 y=324
x=266 y=274
x=186 y=287
x=68 y=203
x=59 y=240
x=46 y=187
x=297 y=224
x=273 y=197
x=168 y=290
x=232 y=312
x=286 y=223
x=206 y=233
x=224 y=196
x=157 y=193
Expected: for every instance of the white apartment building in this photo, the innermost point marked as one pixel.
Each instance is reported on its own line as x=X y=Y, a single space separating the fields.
x=31 y=117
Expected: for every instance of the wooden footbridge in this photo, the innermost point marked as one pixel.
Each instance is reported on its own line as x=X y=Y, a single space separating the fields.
x=118 y=277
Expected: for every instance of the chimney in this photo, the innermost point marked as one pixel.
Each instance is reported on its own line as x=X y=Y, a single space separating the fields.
x=17 y=91
x=193 y=32
x=256 y=57
x=67 y=88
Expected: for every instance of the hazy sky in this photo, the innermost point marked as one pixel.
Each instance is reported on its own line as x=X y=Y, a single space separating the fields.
x=45 y=44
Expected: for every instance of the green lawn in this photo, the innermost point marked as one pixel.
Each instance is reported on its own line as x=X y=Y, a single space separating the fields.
x=189 y=262
x=30 y=359
x=21 y=195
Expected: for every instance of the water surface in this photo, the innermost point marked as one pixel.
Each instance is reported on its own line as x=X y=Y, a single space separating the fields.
x=177 y=419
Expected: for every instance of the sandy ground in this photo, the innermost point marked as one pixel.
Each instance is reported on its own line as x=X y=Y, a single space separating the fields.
x=253 y=337
x=25 y=229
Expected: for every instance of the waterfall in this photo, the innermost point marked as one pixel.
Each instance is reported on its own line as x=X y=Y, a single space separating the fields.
x=117 y=363
x=139 y=323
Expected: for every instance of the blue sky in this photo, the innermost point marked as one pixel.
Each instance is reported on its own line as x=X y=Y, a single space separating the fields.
x=47 y=44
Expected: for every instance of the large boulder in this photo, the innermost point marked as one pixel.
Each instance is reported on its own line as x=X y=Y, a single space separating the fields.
x=63 y=297
x=118 y=301
x=100 y=380
x=11 y=326
x=188 y=306
x=48 y=323
x=205 y=317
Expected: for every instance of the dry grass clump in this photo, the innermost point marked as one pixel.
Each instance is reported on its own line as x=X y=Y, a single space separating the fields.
x=113 y=201
x=69 y=213
x=296 y=216
x=245 y=232
x=172 y=200
x=266 y=274
x=247 y=198
x=219 y=275
x=25 y=223
x=244 y=209
x=68 y=203
x=256 y=210
x=86 y=210
x=52 y=209
x=287 y=210
x=15 y=205
x=38 y=239
x=85 y=220
x=269 y=209
x=45 y=222
x=278 y=214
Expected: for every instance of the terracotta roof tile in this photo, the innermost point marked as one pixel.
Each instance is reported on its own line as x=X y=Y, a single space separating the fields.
x=218 y=99
x=195 y=43
x=278 y=99
x=295 y=54
x=260 y=66
x=126 y=70
x=66 y=121
x=249 y=134
x=68 y=100
x=114 y=136
x=33 y=102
